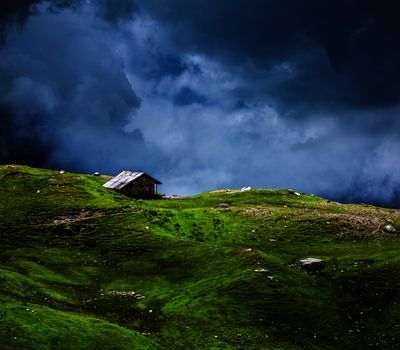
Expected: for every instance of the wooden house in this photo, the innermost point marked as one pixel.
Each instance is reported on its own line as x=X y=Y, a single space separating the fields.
x=134 y=184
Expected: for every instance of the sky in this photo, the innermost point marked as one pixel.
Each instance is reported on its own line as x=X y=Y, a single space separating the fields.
x=207 y=94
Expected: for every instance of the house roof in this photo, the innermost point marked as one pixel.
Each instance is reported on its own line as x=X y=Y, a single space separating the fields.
x=126 y=177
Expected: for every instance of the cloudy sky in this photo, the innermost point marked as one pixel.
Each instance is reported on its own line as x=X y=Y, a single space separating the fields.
x=207 y=94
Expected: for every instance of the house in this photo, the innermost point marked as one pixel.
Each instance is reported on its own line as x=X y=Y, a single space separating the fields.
x=134 y=184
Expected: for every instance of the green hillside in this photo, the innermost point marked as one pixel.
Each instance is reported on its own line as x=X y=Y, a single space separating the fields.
x=83 y=267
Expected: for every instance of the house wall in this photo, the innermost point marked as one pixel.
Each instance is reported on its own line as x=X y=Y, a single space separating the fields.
x=142 y=187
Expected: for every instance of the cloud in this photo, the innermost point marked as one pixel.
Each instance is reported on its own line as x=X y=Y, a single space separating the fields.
x=21 y=138
x=63 y=77
x=115 y=11
x=268 y=94
x=14 y=14
x=342 y=52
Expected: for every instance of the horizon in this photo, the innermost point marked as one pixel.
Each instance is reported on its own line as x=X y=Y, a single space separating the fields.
x=216 y=189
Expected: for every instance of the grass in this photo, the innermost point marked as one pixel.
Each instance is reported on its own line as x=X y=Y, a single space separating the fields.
x=85 y=267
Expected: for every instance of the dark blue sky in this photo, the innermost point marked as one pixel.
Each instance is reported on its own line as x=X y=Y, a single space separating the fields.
x=207 y=94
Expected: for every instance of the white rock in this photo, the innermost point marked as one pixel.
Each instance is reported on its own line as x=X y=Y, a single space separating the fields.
x=390 y=229
x=243 y=189
x=312 y=264
x=222 y=205
x=293 y=192
x=62 y=171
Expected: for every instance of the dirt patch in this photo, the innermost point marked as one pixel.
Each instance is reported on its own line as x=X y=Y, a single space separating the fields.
x=60 y=180
x=243 y=250
x=121 y=293
x=83 y=215
x=232 y=190
x=173 y=196
x=359 y=225
x=17 y=174
x=256 y=212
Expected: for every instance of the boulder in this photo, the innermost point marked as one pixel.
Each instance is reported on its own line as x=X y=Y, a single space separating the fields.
x=390 y=229
x=222 y=205
x=312 y=264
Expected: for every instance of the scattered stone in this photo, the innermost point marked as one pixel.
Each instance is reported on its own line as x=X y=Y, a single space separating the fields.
x=261 y=270
x=83 y=215
x=65 y=218
x=312 y=264
x=171 y=196
x=222 y=205
x=256 y=212
x=243 y=250
x=123 y=293
x=390 y=229
x=38 y=191
x=294 y=192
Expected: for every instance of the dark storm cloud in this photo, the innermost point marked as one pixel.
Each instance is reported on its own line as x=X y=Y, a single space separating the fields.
x=207 y=94
x=338 y=52
x=64 y=94
x=19 y=140
x=187 y=96
x=15 y=13
x=114 y=11
x=327 y=66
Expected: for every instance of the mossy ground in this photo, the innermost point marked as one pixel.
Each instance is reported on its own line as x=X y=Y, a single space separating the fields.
x=85 y=267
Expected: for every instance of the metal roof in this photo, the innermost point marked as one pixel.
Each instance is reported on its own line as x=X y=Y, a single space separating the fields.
x=124 y=178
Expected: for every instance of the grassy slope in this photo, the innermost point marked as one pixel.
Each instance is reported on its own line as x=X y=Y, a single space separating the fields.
x=186 y=273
